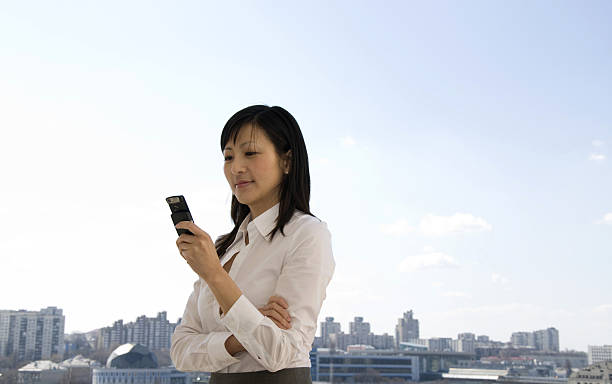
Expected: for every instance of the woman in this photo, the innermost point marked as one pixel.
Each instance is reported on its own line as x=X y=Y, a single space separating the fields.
x=252 y=315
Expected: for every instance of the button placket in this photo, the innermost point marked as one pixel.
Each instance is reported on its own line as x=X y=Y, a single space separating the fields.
x=244 y=251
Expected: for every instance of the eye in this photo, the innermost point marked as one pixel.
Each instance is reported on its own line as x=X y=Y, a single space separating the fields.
x=250 y=153
x=228 y=158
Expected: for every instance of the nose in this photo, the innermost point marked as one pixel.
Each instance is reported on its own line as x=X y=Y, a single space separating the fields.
x=237 y=166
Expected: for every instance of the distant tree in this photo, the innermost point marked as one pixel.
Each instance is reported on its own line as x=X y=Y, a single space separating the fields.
x=56 y=358
x=6 y=362
x=12 y=362
x=78 y=346
x=8 y=376
x=163 y=357
x=370 y=376
x=101 y=355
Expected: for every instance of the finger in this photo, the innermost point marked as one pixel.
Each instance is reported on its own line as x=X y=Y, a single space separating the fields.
x=185 y=238
x=265 y=313
x=191 y=227
x=278 y=324
x=280 y=310
x=277 y=316
x=279 y=300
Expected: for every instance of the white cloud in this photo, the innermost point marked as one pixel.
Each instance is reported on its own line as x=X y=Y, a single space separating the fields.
x=432 y=225
x=427 y=260
x=499 y=279
x=597 y=157
x=398 y=228
x=597 y=143
x=607 y=219
x=456 y=294
x=347 y=142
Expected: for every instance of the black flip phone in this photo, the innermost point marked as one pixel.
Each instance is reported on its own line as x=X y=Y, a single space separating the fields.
x=180 y=212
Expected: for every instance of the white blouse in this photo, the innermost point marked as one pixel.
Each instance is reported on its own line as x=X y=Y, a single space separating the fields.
x=297 y=267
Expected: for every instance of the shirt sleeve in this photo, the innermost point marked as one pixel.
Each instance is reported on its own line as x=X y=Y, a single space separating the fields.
x=194 y=350
x=307 y=270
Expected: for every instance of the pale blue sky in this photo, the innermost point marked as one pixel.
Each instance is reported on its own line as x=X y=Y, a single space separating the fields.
x=460 y=154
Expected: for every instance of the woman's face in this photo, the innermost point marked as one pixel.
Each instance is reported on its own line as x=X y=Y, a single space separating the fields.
x=253 y=169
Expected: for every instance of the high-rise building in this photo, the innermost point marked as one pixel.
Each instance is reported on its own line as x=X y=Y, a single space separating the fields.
x=407 y=328
x=333 y=337
x=359 y=330
x=599 y=353
x=328 y=327
x=466 y=336
x=523 y=339
x=440 y=344
x=466 y=342
x=547 y=340
x=32 y=335
x=543 y=340
x=153 y=332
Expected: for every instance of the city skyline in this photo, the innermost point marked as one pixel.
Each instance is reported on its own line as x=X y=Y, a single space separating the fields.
x=112 y=334
x=459 y=154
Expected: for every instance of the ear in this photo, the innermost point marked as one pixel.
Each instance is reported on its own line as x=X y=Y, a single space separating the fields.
x=287 y=162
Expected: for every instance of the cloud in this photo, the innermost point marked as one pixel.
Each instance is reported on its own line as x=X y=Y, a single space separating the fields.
x=437 y=284
x=398 y=228
x=597 y=143
x=456 y=294
x=597 y=157
x=347 y=142
x=427 y=260
x=607 y=219
x=432 y=225
x=499 y=279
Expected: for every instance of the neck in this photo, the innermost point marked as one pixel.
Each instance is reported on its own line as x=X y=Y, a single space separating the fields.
x=258 y=210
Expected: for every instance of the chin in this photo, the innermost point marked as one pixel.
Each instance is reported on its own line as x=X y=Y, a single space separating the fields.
x=243 y=200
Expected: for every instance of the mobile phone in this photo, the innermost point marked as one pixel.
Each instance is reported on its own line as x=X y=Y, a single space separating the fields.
x=180 y=212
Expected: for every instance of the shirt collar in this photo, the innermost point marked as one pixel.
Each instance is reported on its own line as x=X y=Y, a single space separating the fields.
x=264 y=223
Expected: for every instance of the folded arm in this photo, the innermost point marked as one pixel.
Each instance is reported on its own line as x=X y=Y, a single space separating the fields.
x=302 y=282
x=194 y=350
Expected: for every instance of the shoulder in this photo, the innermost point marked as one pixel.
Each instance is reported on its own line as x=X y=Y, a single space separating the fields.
x=309 y=242
x=303 y=225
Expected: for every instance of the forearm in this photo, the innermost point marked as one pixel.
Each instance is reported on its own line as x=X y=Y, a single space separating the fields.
x=233 y=346
x=223 y=287
x=271 y=346
x=197 y=351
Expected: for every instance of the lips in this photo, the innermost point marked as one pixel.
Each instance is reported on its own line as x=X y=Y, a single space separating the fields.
x=243 y=183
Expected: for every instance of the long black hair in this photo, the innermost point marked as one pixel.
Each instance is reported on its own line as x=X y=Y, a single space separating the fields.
x=284 y=132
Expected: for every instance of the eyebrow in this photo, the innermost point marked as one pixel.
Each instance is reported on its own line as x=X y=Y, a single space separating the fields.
x=243 y=144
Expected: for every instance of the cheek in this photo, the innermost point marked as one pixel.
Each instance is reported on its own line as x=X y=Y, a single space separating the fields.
x=267 y=169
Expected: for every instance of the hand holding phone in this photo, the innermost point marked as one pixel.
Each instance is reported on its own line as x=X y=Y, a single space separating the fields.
x=180 y=212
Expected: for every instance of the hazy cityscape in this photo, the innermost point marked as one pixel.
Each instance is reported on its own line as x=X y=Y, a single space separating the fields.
x=34 y=349
x=457 y=151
